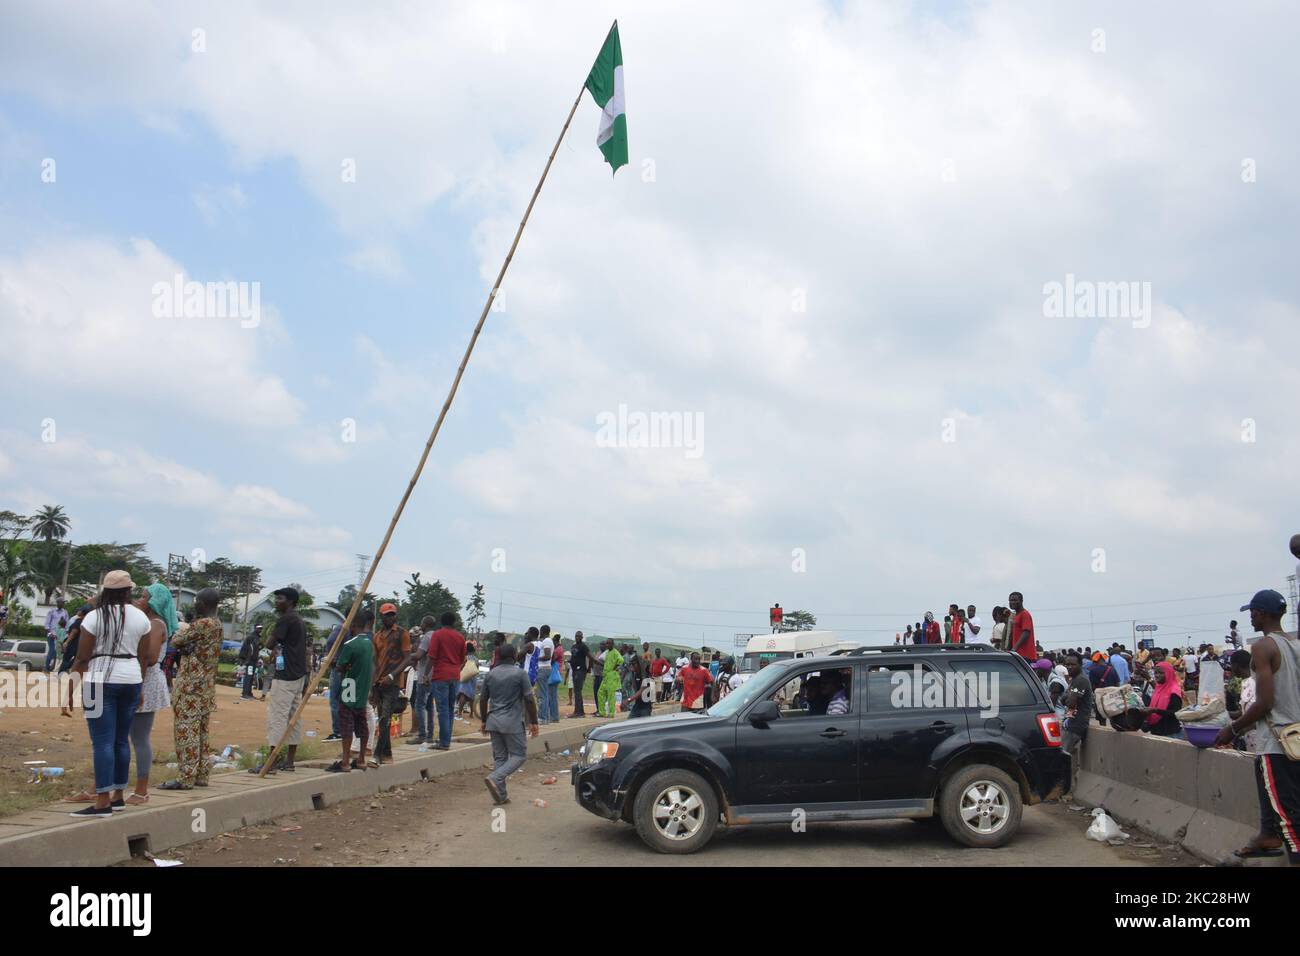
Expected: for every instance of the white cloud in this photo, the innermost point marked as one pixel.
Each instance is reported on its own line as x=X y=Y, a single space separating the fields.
x=92 y=301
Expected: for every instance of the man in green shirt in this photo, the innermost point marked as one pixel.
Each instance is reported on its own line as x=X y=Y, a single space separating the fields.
x=356 y=663
x=610 y=681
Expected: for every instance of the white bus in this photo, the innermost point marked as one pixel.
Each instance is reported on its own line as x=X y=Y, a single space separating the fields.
x=762 y=649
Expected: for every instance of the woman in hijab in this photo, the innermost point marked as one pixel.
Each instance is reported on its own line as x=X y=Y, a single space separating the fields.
x=1166 y=701
x=158 y=606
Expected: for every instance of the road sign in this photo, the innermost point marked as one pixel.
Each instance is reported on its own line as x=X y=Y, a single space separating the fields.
x=742 y=640
x=1146 y=627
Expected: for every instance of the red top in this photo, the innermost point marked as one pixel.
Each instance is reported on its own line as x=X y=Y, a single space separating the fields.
x=693 y=681
x=557 y=655
x=932 y=632
x=1022 y=623
x=447 y=651
x=658 y=666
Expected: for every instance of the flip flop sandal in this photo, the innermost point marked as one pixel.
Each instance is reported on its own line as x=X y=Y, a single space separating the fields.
x=356 y=764
x=137 y=800
x=83 y=797
x=337 y=767
x=1252 y=851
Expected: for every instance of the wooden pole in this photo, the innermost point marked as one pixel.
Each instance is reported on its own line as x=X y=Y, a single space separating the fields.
x=428 y=447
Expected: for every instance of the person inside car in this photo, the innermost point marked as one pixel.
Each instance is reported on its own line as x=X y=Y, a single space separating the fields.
x=816 y=696
x=838 y=703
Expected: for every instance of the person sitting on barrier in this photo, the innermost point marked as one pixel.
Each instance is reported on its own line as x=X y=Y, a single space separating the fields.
x=1166 y=701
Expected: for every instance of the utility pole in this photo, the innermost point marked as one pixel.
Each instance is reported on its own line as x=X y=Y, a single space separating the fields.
x=363 y=562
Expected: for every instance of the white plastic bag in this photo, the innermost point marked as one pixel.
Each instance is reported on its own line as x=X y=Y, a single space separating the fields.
x=1104 y=829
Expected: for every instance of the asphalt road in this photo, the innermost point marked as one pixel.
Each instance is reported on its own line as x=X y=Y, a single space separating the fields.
x=449 y=821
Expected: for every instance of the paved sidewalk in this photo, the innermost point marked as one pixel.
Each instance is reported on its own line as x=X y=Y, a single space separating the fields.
x=49 y=837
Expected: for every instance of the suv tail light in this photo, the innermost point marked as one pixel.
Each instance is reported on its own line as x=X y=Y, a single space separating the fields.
x=1050 y=725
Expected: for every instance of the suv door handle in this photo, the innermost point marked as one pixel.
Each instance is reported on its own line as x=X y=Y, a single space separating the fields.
x=832 y=732
x=942 y=725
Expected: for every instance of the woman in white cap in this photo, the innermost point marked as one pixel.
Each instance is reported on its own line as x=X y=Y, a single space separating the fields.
x=109 y=659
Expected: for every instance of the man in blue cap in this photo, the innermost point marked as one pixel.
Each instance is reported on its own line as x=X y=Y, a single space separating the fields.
x=1275 y=662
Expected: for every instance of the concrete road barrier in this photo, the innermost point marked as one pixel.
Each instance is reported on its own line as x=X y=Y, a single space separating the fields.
x=1203 y=800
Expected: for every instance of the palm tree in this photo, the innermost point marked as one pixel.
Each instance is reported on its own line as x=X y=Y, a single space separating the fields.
x=50 y=523
x=15 y=576
x=45 y=567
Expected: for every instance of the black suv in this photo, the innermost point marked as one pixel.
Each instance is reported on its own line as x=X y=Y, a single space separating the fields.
x=962 y=732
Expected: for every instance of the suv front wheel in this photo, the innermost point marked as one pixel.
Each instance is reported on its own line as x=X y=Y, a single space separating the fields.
x=980 y=806
x=675 y=811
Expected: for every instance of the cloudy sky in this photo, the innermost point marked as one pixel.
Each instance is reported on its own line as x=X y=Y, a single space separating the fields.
x=829 y=252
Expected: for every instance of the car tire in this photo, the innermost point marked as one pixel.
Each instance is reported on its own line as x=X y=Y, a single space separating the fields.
x=980 y=806
x=675 y=811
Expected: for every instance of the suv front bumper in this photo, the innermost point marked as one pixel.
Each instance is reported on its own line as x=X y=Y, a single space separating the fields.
x=593 y=789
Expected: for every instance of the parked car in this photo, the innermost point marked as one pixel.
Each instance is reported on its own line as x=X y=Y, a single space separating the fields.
x=768 y=751
x=22 y=654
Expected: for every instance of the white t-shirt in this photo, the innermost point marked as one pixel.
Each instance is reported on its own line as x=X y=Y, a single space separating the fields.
x=983 y=637
x=542 y=648
x=117 y=670
x=1189 y=663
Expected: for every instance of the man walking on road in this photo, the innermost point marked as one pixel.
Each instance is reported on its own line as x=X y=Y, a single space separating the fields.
x=506 y=704
x=448 y=650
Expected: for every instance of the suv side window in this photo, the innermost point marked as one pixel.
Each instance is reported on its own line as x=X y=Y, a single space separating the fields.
x=821 y=693
x=1002 y=680
x=886 y=681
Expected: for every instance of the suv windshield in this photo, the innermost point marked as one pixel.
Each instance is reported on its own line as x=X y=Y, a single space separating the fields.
x=752 y=689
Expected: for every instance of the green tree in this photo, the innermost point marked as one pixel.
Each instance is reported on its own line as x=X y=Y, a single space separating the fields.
x=226 y=576
x=421 y=599
x=44 y=560
x=347 y=596
x=799 y=621
x=50 y=523
x=477 y=609
x=15 y=576
x=13 y=524
x=90 y=562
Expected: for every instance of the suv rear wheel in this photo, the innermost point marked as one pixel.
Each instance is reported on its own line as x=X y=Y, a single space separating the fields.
x=675 y=811
x=980 y=806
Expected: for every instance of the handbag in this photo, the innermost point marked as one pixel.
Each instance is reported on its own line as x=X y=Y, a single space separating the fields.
x=469 y=670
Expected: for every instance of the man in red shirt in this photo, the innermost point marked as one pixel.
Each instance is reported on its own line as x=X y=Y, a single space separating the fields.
x=931 y=629
x=1023 y=639
x=775 y=616
x=447 y=652
x=694 y=679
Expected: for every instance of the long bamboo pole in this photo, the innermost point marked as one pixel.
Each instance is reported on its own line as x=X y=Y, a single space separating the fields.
x=428 y=447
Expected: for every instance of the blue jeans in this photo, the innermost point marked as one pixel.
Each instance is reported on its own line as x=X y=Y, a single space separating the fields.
x=551 y=695
x=422 y=701
x=336 y=691
x=543 y=699
x=444 y=695
x=50 y=654
x=110 y=732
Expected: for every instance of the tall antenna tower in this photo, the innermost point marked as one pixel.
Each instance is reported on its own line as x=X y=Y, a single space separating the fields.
x=363 y=562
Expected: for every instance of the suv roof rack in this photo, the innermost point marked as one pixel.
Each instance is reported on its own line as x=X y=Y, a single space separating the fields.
x=913 y=649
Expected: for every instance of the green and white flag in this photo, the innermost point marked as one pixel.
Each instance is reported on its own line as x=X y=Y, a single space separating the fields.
x=605 y=82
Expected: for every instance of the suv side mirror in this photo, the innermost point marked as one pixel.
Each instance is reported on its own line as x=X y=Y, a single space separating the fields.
x=764 y=712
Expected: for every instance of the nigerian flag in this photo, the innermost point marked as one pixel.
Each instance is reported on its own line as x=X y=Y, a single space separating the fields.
x=605 y=82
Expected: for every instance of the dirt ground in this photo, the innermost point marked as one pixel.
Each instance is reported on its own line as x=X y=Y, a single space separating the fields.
x=42 y=734
x=449 y=821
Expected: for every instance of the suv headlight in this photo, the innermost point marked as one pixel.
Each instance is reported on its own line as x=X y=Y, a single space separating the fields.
x=598 y=750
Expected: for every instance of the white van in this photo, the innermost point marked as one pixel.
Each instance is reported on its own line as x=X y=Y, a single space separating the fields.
x=762 y=649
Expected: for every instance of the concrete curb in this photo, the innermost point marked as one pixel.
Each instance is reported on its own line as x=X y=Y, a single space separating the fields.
x=49 y=837
x=1202 y=800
